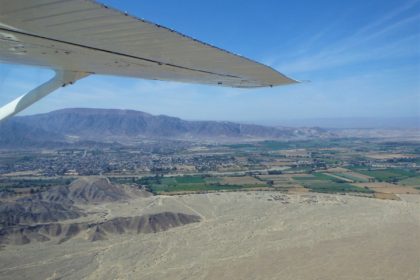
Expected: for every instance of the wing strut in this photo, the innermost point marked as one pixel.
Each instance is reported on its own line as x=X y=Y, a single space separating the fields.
x=62 y=78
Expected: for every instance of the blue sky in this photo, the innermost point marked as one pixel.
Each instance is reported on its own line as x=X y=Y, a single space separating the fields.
x=362 y=59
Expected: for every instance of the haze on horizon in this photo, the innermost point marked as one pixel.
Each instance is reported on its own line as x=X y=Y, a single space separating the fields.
x=362 y=60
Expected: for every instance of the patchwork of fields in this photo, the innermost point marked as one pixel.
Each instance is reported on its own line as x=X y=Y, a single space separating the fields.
x=335 y=180
x=364 y=182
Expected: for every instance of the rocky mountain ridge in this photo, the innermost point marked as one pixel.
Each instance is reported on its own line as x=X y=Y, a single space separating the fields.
x=95 y=231
x=49 y=215
x=102 y=125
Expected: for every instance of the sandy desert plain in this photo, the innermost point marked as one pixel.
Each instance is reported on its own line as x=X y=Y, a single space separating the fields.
x=240 y=235
x=265 y=210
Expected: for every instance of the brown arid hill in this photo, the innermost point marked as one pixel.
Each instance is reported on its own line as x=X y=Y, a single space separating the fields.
x=88 y=190
x=150 y=223
x=31 y=211
x=40 y=217
x=59 y=203
x=85 y=190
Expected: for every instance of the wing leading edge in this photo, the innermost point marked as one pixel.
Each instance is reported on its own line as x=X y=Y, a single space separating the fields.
x=81 y=37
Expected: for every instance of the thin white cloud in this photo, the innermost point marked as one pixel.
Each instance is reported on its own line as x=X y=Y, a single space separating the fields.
x=369 y=43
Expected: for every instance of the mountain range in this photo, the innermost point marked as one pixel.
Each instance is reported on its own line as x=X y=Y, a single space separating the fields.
x=107 y=125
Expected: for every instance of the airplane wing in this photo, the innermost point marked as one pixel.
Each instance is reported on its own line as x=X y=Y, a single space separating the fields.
x=83 y=36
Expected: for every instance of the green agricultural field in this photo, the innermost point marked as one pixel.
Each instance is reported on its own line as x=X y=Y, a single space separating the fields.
x=213 y=180
x=389 y=174
x=298 y=169
x=351 y=177
x=190 y=180
x=276 y=145
x=413 y=181
x=318 y=176
x=304 y=178
x=333 y=187
x=321 y=182
x=192 y=184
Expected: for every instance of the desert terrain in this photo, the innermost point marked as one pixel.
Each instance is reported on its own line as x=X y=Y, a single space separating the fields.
x=128 y=202
x=239 y=235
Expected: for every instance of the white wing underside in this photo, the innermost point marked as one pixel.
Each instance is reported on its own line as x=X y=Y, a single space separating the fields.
x=78 y=38
x=84 y=36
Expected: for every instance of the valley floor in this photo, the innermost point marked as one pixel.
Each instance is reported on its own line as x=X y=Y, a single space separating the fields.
x=242 y=235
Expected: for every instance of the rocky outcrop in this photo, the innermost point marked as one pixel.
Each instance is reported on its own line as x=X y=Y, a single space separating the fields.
x=59 y=203
x=27 y=211
x=152 y=223
x=36 y=218
x=85 y=190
